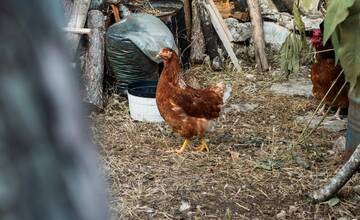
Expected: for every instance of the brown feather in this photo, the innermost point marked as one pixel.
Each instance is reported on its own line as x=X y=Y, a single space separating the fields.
x=325 y=71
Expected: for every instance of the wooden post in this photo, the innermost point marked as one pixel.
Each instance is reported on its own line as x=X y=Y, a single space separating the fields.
x=198 y=49
x=258 y=35
x=187 y=12
x=77 y=20
x=94 y=69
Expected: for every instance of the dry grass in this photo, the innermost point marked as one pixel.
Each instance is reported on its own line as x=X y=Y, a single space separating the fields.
x=148 y=181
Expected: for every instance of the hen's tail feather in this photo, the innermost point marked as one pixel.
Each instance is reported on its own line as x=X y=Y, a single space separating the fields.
x=227 y=94
x=223 y=90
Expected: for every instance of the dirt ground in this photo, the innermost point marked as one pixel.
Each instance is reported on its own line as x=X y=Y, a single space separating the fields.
x=249 y=172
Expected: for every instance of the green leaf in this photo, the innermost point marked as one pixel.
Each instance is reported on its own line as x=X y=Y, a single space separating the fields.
x=349 y=45
x=336 y=13
x=336 y=45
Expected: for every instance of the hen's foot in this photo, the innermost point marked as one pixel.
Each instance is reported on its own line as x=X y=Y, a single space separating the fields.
x=202 y=146
x=183 y=147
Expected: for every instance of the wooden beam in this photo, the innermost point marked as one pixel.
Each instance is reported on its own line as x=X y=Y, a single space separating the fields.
x=224 y=39
x=221 y=20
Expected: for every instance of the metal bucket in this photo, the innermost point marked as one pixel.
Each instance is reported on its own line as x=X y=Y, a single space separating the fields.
x=353 y=130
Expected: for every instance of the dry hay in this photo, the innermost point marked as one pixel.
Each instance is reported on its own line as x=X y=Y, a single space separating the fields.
x=148 y=181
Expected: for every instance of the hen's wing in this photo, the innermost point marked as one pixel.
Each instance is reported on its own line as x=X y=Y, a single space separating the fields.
x=199 y=103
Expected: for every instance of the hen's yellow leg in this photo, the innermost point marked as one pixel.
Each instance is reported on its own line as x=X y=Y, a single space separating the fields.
x=202 y=146
x=184 y=146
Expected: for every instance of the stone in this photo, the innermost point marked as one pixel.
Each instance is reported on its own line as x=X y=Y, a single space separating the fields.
x=184 y=206
x=311 y=23
x=239 y=31
x=286 y=20
x=281 y=215
x=250 y=77
x=217 y=64
x=309 y=7
x=301 y=88
x=241 y=107
x=357 y=189
x=329 y=124
x=267 y=6
x=333 y=201
x=339 y=145
x=275 y=34
x=292 y=209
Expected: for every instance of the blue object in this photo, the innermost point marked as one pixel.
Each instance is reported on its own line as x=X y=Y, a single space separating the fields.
x=353 y=130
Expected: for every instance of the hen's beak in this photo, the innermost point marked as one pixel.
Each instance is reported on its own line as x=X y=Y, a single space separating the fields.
x=158 y=56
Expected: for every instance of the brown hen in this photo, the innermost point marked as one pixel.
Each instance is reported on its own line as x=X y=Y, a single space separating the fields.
x=324 y=72
x=188 y=111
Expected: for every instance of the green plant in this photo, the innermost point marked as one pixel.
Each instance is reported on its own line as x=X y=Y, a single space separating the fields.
x=342 y=25
x=290 y=52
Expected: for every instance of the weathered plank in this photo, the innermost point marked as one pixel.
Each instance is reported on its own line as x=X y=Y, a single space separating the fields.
x=94 y=68
x=198 y=48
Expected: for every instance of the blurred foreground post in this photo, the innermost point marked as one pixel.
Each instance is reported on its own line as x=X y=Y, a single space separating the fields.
x=49 y=168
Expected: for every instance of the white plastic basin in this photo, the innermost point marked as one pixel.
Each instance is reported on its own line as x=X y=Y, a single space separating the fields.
x=142 y=102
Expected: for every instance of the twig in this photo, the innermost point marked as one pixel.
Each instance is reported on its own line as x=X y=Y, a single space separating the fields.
x=318 y=107
x=324 y=116
x=241 y=206
x=321 y=51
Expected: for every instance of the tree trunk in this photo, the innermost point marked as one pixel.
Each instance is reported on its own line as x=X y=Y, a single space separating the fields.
x=210 y=36
x=197 y=53
x=339 y=180
x=258 y=35
x=94 y=69
x=77 y=20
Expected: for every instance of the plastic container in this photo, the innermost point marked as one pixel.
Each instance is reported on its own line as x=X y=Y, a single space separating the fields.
x=353 y=129
x=142 y=101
